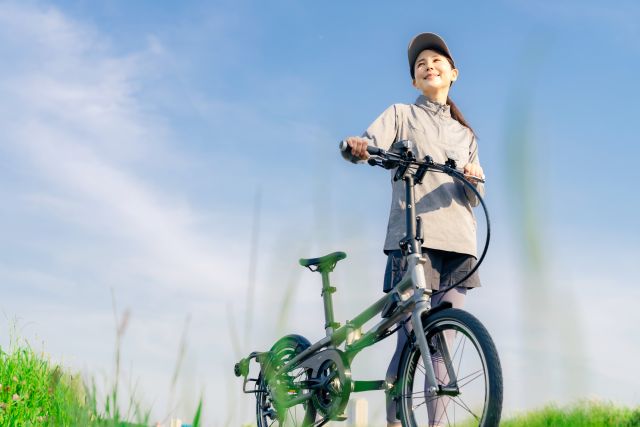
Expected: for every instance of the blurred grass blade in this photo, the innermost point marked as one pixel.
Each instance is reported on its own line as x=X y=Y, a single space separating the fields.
x=253 y=265
x=196 y=417
x=543 y=325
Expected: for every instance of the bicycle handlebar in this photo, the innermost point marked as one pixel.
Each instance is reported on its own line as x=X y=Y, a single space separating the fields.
x=389 y=160
x=404 y=160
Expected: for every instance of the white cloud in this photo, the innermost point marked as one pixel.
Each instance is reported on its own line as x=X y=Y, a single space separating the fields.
x=77 y=125
x=91 y=212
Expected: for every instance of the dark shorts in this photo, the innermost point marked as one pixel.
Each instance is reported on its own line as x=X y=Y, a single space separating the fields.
x=442 y=268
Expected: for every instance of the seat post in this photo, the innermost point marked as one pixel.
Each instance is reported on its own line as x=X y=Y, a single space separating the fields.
x=325 y=265
x=327 y=290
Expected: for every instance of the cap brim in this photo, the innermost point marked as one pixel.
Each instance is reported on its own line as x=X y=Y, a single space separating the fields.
x=426 y=41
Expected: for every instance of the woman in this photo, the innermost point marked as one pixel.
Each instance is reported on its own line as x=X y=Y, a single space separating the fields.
x=437 y=128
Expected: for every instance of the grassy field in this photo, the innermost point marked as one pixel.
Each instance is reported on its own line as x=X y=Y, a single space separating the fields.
x=583 y=414
x=35 y=392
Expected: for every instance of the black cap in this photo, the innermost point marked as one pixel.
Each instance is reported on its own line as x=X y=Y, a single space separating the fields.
x=426 y=41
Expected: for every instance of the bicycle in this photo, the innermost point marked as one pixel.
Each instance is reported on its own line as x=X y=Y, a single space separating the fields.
x=451 y=370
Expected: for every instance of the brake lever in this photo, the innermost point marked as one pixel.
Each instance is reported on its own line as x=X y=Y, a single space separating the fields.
x=460 y=174
x=473 y=178
x=382 y=162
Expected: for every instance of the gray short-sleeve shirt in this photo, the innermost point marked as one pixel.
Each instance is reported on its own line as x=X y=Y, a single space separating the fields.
x=445 y=206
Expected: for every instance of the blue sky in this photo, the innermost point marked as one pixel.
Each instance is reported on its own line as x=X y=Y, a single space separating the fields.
x=135 y=136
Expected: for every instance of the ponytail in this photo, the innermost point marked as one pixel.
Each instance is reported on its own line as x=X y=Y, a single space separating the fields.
x=457 y=115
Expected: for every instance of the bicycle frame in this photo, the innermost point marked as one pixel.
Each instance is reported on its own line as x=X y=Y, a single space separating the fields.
x=319 y=373
x=417 y=304
x=411 y=294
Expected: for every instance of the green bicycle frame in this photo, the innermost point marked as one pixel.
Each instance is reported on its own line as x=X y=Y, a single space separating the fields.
x=417 y=304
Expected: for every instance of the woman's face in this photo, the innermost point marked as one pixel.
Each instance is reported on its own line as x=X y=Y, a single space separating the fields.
x=433 y=73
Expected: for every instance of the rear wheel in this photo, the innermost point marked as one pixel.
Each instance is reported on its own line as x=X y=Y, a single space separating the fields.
x=273 y=391
x=469 y=380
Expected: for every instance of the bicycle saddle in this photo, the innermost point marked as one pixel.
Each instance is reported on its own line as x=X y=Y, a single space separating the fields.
x=326 y=262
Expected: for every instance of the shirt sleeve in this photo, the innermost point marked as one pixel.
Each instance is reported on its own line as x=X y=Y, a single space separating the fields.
x=473 y=158
x=384 y=130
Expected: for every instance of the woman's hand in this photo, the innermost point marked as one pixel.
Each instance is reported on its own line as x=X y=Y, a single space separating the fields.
x=358 y=147
x=472 y=171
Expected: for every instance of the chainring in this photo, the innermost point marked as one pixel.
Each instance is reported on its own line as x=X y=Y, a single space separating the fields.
x=331 y=373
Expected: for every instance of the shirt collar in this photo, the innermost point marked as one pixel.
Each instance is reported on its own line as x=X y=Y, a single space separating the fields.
x=433 y=107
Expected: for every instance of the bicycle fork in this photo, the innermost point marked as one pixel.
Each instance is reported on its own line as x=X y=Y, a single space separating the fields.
x=422 y=296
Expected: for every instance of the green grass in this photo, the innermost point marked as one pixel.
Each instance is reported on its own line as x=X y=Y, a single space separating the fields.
x=583 y=414
x=36 y=392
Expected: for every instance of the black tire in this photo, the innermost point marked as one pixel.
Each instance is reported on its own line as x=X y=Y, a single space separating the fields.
x=272 y=390
x=478 y=399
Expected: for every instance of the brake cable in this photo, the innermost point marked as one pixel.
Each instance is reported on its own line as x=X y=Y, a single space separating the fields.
x=456 y=174
x=389 y=160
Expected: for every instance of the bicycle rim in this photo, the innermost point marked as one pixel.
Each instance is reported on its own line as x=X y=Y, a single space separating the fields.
x=475 y=397
x=272 y=392
x=267 y=415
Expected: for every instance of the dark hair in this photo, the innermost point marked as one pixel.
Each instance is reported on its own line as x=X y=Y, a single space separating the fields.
x=456 y=114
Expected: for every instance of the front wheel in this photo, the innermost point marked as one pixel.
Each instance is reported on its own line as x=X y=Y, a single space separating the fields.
x=469 y=380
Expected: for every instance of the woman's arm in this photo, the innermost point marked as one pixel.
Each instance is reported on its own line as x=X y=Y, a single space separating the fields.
x=381 y=133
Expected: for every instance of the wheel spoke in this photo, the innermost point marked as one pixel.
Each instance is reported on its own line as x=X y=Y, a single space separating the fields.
x=444 y=411
x=425 y=399
x=461 y=404
x=419 y=405
x=458 y=343
x=422 y=369
x=477 y=374
x=408 y=395
x=464 y=343
x=440 y=400
x=445 y=401
x=291 y=414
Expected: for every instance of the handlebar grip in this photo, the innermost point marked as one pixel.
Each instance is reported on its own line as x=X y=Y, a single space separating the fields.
x=374 y=150
x=344 y=147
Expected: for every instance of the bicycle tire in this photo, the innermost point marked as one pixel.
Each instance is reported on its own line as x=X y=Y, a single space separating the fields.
x=478 y=373
x=271 y=390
